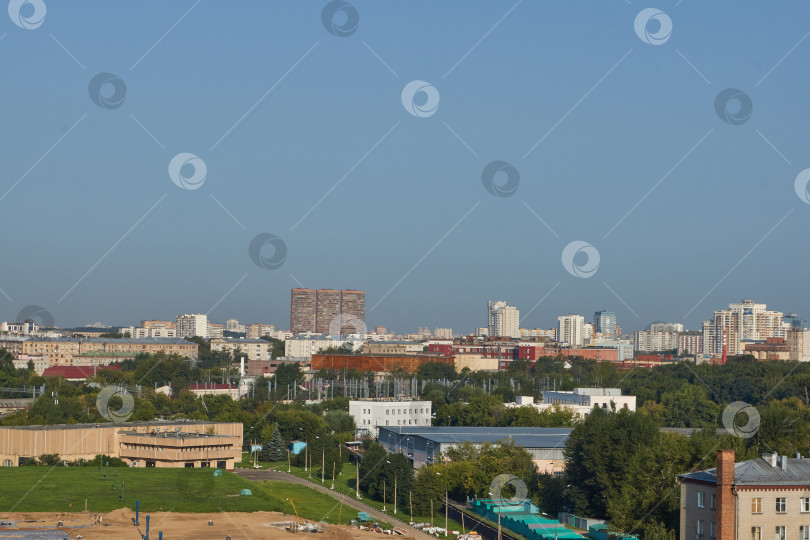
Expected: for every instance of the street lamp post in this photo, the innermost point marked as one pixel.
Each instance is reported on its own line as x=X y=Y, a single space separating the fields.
x=396 y=475
x=357 y=482
x=444 y=485
x=499 y=517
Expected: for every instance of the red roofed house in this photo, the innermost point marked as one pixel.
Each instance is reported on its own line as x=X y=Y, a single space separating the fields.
x=76 y=373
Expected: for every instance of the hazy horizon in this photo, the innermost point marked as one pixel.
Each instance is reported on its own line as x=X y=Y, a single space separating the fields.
x=192 y=157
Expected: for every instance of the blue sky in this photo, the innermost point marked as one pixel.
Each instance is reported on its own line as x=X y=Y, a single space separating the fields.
x=95 y=230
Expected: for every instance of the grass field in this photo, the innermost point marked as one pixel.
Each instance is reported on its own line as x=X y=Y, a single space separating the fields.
x=345 y=484
x=60 y=489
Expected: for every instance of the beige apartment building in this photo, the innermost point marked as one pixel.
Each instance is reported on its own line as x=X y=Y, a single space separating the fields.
x=63 y=351
x=257 y=330
x=799 y=342
x=393 y=347
x=184 y=443
x=252 y=349
x=759 y=499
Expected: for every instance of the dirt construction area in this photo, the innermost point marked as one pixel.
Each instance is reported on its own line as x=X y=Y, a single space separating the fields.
x=118 y=524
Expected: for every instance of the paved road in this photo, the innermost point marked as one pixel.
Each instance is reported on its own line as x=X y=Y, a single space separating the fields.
x=256 y=475
x=472 y=522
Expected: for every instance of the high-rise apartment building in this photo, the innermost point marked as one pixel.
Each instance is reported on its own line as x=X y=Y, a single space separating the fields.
x=257 y=330
x=744 y=321
x=799 y=342
x=504 y=321
x=648 y=341
x=666 y=327
x=691 y=342
x=232 y=325
x=604 y=322
x=302 y=311
x=215 y=331
x=327 y=309
x=314 y=311
x=571 y=330
x=191 y=324
x=793 y=322
x=352 y=311
x=443 y=333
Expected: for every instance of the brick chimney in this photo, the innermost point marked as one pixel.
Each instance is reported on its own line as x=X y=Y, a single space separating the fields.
x=725 y=495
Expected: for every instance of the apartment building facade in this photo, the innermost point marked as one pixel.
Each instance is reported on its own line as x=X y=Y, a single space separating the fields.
x=191 y=325
x=69 y=351
x=327 y=311
x=758 y=499
x=744 y=321
x=252 y=349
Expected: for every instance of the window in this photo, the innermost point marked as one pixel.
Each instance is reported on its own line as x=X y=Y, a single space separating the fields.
x=701 y=496
x=780 y=533
x=805 y=504
x=756 y=505
x=804 y=532
x=756 y=533
x=699 y=527
x=712 y=530
x=713 y=499
x=780 y=505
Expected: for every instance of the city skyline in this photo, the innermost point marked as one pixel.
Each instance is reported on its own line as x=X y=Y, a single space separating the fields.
x=149 y=176
x=657 y=325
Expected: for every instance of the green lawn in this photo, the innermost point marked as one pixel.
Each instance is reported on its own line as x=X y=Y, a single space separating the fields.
x=345 y=483
x=42 y=489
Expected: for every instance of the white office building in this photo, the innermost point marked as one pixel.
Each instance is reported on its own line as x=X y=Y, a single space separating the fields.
x=581 y=401
x=571 y=330
x=190 y=325
x=369 y=415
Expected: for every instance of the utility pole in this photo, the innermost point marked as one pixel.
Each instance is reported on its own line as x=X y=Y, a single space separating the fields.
x=446 y=505
x=357 y=483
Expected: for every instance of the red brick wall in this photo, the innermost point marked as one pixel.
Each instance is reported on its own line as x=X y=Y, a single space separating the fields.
x=725 y=496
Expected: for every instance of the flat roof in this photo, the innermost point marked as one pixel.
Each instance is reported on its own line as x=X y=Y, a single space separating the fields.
x=527 y=437
x=154 y=423
x=173 y=435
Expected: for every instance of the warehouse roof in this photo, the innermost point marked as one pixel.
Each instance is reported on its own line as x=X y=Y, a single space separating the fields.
x=527 y=437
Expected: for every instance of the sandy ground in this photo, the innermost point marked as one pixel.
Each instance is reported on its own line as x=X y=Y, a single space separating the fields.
x=118 y=524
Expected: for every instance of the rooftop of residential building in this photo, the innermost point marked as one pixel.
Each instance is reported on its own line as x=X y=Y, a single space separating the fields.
x=770 y=470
